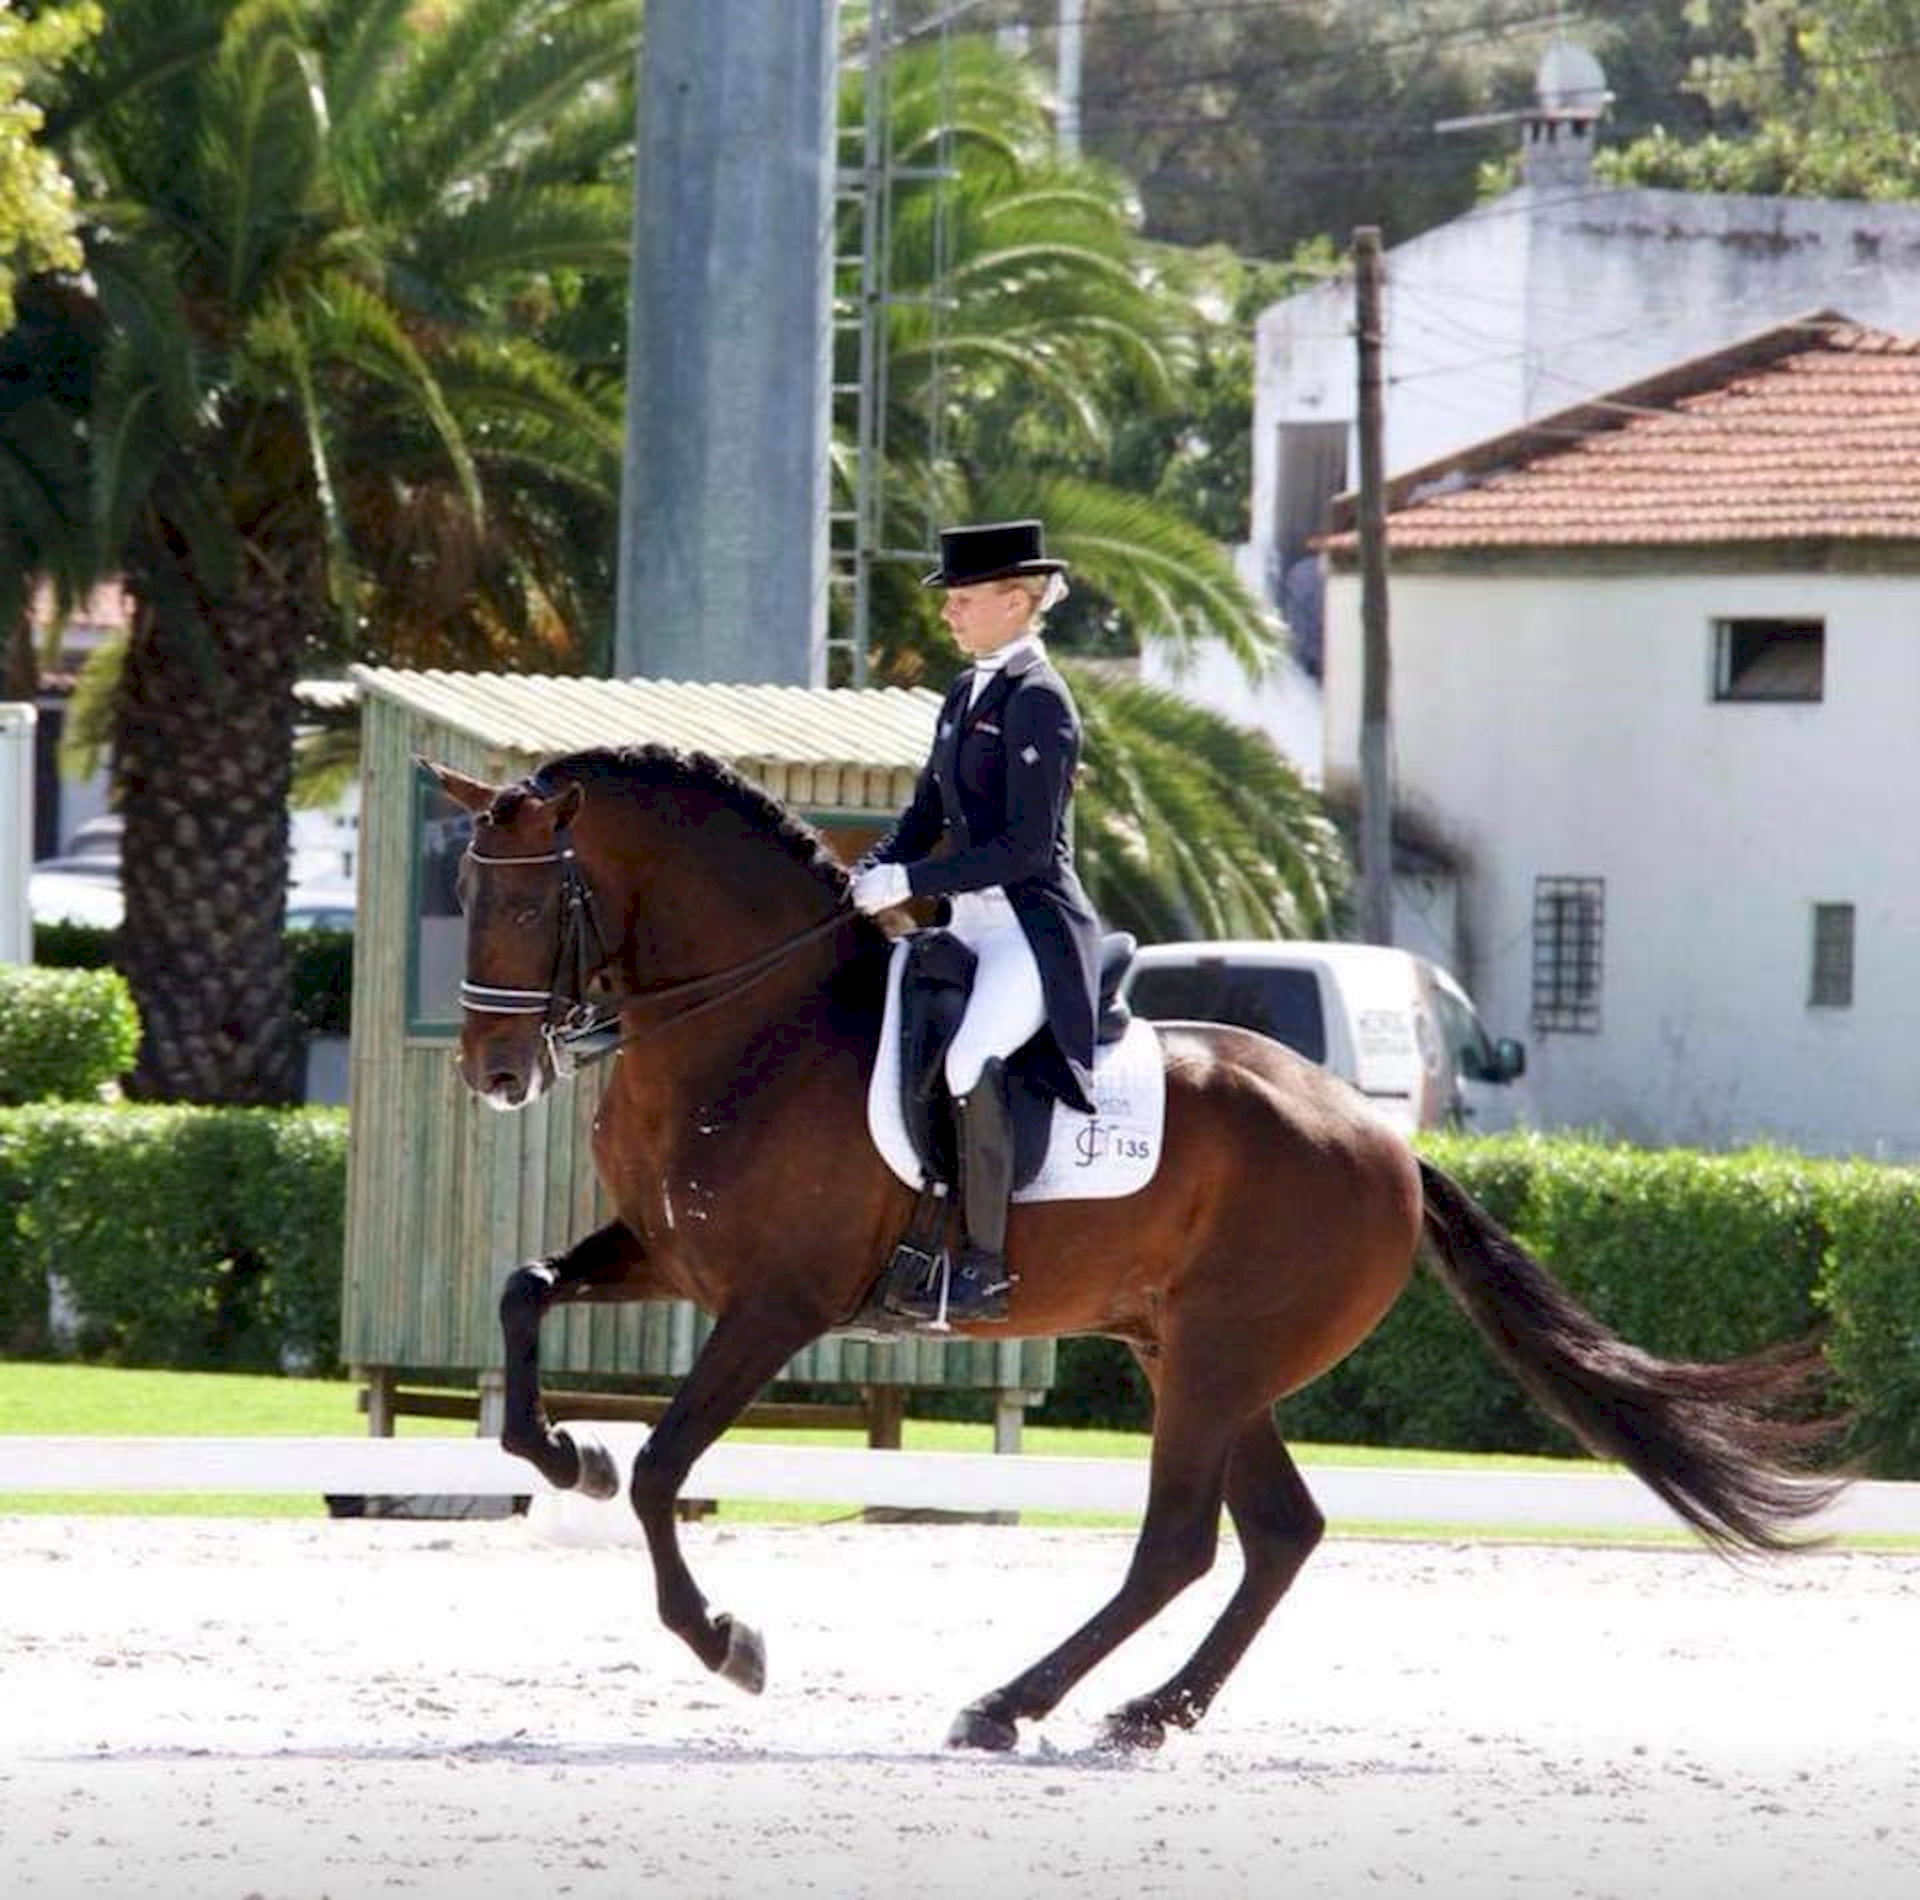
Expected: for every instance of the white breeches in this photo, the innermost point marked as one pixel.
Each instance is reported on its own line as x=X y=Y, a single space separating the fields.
x=1008 y=1004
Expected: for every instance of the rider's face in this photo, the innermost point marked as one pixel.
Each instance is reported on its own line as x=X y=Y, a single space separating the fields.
x=983 y=618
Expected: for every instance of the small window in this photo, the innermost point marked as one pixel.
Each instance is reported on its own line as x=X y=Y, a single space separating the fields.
x=1568 y=915
x=1832 y=984
x=437 y=954
x=1769 y=659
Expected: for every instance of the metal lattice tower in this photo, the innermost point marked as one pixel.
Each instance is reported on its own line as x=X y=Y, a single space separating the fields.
x=863 y=302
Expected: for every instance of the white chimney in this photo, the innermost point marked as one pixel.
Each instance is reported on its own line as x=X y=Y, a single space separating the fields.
x=1557 y=134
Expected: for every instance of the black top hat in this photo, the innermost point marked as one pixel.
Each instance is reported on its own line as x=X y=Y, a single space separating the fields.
x=993 y=551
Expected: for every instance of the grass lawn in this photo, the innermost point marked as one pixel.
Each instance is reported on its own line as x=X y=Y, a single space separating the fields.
x=66 y=1400
x=96 y=1401
x=103 y=1401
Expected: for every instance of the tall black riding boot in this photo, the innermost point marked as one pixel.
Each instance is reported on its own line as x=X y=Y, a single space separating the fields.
x=977 y=1287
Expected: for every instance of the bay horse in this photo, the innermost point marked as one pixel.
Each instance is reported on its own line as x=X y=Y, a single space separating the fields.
x=661 y=892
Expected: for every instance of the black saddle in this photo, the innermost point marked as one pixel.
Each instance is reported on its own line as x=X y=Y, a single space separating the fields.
x=934 y=989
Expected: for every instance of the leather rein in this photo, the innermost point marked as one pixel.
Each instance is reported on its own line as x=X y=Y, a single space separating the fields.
x=580 y=1028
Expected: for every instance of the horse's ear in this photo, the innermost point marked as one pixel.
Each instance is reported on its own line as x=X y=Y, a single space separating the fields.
x=567 y=802
x=468 y=793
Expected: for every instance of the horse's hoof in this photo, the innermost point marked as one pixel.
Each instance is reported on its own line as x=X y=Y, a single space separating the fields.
x=599 y=1477
x=1132 y=1730
x=745 y=1663
x=977 y=1727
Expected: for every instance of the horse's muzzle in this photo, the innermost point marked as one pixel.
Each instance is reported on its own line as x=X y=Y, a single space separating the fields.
x=505 y=1079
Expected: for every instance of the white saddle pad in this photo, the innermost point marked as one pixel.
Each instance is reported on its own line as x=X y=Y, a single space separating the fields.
x=1096 y=1157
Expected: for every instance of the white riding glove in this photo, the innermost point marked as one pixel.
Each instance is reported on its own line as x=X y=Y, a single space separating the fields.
x=880 y=887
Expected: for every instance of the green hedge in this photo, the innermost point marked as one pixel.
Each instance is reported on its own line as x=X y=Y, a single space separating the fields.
x=1692 y=1256
x=64 y=1034
x=1870 y=1288
x=322 y=973
x=192 y=1237
x=213 y=1237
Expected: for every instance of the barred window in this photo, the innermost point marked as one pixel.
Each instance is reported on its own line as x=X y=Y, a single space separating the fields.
x=1568 y=916
x=1769 y=659
x=1831 y=986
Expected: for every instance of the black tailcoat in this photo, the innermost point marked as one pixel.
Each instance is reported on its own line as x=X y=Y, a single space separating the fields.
x=991 y=809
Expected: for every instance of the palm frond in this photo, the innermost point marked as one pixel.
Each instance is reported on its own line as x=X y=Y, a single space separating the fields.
x=526 y=228
x=1173 y=582
x=1192 y=826
x=495 y=75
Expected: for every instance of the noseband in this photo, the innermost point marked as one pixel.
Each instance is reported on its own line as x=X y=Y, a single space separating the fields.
x=579 y=1028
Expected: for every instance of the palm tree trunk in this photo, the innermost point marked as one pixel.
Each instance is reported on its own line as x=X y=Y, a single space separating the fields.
x=203 y=754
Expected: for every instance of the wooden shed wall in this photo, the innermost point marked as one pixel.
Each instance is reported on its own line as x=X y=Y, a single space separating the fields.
x=445 y=1196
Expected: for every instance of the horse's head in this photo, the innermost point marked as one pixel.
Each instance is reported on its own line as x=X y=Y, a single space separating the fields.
x=674 y=889
x=514 y=888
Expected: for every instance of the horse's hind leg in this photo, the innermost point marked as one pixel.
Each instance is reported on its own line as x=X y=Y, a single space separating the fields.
x=1279 y=1526
x=1191 y=1448
x=605 y=1265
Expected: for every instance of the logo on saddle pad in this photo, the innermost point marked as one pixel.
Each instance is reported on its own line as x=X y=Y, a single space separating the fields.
x=1097 y=1157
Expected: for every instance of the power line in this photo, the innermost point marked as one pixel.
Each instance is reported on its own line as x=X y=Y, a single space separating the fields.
x=1477 y=33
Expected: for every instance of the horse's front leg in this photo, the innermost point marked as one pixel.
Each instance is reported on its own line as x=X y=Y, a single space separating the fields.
x=746 y=1348
x=607 y=1265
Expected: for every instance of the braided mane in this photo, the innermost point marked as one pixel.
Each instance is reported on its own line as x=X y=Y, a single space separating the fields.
x=655 y=766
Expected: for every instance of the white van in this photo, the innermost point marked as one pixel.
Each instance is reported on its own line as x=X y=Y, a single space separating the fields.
x=1399 y=1028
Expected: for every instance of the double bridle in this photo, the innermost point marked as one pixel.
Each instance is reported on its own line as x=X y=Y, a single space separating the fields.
x=580 y=1028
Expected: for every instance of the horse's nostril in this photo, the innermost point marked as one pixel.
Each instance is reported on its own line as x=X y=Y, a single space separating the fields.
x=503 y=1082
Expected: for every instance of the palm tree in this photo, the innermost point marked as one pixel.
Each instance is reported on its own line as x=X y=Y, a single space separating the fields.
x=1056 y=323
x=328 y=243
x=1190 y=826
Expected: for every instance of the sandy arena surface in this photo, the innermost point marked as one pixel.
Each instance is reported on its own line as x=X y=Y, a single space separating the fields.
x=220 y=1709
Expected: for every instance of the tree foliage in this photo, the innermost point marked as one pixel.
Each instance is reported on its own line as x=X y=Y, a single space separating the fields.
x=1804 y=101
x=37 y=209
x=1061 y=367
x=312 y=405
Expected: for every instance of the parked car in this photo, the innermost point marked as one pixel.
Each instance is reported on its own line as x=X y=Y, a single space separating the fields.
x=321 y=906
x=86 y=890
x=97 y=837
x=1399 y=1028
x=83 y=890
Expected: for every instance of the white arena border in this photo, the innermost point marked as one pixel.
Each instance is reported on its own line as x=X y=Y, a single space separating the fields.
x=810 y=1474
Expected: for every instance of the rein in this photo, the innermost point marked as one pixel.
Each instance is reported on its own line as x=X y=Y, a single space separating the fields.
x=579 y=1028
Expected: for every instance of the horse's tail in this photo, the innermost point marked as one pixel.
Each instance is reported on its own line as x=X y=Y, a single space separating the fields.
x=1705 y=1438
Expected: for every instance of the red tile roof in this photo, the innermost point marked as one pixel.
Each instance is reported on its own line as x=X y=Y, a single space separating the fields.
x=1808 y=432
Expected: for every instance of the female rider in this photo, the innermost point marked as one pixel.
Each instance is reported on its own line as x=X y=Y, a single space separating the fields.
x=988 y=832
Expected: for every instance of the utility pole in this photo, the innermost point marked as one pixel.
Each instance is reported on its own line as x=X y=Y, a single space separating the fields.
x=1376 y=752
x=1073 y=14
x=723 y=506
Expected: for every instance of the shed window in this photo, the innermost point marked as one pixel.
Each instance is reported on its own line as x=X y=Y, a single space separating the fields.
x=1769 y=659
x=1568 y=918
x=437 y=952
x=1832 y=983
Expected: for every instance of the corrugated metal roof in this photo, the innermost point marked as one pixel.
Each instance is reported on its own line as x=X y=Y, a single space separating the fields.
x=542 y=715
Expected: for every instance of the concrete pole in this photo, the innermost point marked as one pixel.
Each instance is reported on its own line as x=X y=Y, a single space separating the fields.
x=723 y=512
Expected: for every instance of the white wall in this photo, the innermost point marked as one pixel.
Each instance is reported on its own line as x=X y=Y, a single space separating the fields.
x=1285 y=705
x=1564 y=726
x=1541 y=298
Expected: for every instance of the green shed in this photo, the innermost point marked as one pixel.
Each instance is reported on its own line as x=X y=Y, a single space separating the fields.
x=445 y=1196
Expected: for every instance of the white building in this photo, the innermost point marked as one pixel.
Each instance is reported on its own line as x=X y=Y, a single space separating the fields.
x=1656 y=677
x=1553 y=292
